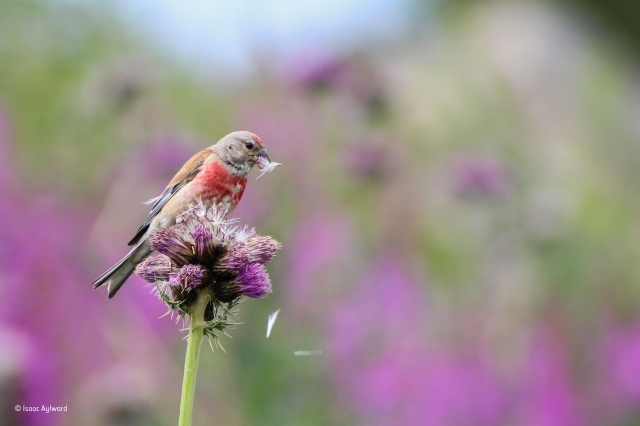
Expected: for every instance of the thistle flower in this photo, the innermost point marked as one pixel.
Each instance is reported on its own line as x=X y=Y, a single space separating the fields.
x=256 y=250
x=207 y=251
x=206 y=263
x=156 y=268
x=252 y=281
x=189 y=277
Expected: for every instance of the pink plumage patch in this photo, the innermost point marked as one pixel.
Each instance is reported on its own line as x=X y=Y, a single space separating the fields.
x=257 y=139
x=216 y=183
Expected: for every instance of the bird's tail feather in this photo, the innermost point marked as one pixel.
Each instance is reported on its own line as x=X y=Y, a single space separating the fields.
x=116 y=276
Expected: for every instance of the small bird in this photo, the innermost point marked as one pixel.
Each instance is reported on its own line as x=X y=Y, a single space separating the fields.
x=216 y=176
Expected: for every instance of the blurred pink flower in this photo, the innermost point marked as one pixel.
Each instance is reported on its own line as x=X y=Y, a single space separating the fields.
x=316 y=243
x=387 y=305
x=481 y=175
x=383 y=363
x=372 y=158
x=625 y=361
x=355 y=78
x=546 y=393
x=421 y=388
x=618 y=381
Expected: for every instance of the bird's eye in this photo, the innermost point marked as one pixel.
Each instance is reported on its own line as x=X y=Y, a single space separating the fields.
x=250 y=145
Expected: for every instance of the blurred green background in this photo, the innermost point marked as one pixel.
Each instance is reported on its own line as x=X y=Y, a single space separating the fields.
x=459 y=209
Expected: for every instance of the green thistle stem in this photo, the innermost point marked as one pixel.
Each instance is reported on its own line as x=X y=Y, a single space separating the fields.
x=196 y=323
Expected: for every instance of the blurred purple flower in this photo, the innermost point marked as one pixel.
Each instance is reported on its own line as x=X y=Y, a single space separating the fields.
x=355 y=78
x=325 y=73
x=387 y=304
x=422 y=388
x=484 y=176
x=316 y=242
x=252 y=281
x=370 y=159
x=41 y=270
x=546 y=394
x=619 y=379
x=409 y=383
x=188 y=277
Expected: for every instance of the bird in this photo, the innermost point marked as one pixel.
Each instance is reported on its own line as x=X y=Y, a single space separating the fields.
x=216 y=175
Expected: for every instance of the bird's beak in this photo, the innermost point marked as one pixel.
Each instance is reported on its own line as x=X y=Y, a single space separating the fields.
x=264 y=155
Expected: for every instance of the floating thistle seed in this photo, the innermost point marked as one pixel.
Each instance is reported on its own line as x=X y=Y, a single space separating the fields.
x=252 y=281
x=266 y=166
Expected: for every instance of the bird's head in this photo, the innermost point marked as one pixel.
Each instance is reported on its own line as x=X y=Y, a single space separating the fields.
x=241 y=150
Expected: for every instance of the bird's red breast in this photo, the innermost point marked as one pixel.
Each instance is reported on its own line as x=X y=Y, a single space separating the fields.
x=216 y=184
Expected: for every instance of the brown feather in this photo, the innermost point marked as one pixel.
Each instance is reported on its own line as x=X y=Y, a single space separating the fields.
x=190 y=166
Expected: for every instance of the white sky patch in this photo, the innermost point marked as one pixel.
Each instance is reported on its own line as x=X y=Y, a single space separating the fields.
x=271 y=321
x=226 y=37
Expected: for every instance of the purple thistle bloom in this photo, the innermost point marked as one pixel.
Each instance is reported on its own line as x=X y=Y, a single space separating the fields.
x=253 y=281
x=234 y=260
x=262 y=249
x=373 y=158
x=189 y=277
x=172 y=243
x=255 y=250
x=156 y=268
x=205 y=244
x=484 y=176
x=207 y=251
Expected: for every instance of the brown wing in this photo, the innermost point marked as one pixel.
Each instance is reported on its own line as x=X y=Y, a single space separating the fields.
x=185 y=175
x=190 y=168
